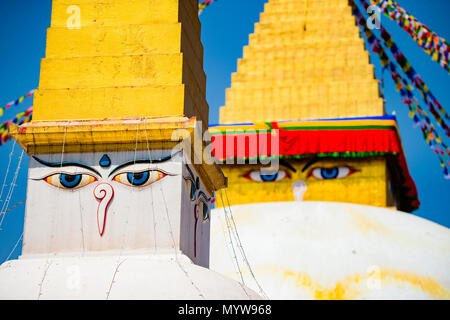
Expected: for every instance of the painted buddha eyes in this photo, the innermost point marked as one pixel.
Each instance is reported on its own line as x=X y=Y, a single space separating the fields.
x=76 y=181
x=139 y=179
x=74 y=175
x=69 y=181
x=192 y=187
x=321 y=173
x=201 y=207
x=331 y=173
x=258 y=176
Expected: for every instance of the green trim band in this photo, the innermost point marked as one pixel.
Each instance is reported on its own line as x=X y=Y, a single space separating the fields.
x=251 y=131
x=321 y=155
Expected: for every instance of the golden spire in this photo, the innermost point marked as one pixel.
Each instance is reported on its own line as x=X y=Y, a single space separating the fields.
x=122 y=58
x=305 y=60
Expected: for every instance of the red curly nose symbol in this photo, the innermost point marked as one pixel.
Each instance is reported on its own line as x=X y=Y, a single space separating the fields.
x=103 y=192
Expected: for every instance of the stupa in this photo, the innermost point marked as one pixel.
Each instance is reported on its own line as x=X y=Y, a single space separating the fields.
x=119 y=197
x=316 y=169
x=305 y=77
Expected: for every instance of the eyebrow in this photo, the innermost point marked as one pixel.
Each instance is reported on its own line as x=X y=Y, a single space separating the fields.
x=141 y=161
x=201 y=193
x=310 y=163
x=65 y=164
x=287 y=165
x=190 y=172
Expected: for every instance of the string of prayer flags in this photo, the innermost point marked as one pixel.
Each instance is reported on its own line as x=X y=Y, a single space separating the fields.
x=202 y=5
x=16 y=102
x=415 y=78
x=418 y=115
x=19 y=119
x=435 y=46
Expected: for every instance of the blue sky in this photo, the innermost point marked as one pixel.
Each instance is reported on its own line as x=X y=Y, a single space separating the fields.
x=225 y=28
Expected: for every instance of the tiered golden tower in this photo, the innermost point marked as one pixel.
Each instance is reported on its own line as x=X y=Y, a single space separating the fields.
x=140 y=58
x=121 y=97
x=305 y=60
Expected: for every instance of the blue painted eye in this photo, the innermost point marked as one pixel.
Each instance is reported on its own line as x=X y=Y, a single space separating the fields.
x=201 y=209
x=192 y=191
x=258 y=176
x=269 y=177
x=138 y=178
x=191 y=187
x=69 y=180
x=331 y=173
x=205 y=211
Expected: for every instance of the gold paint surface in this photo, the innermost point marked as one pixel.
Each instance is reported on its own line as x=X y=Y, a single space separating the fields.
x=353 y=286
x=367 y=185
x=126 y=58
x=169 y=133
x=312 y=65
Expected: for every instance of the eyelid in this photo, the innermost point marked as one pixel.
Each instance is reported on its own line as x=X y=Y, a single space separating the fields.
x=202 y=195
x=281 y=168
x=83 y=181
x=286 y=172
x=64 y=170
x=152 y=176
x=351 y=169
x=139 y=170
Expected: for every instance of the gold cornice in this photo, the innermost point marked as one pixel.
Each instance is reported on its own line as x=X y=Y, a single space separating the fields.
x=39 y=137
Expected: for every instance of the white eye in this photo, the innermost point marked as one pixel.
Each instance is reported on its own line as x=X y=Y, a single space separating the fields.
x=139 y=179
x=69 y=181
x=331 y=173
x=260 y=176
x=201 y=210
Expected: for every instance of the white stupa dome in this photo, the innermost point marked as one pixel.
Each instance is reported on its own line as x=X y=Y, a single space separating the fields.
x=325 y=250
x=140 y=276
